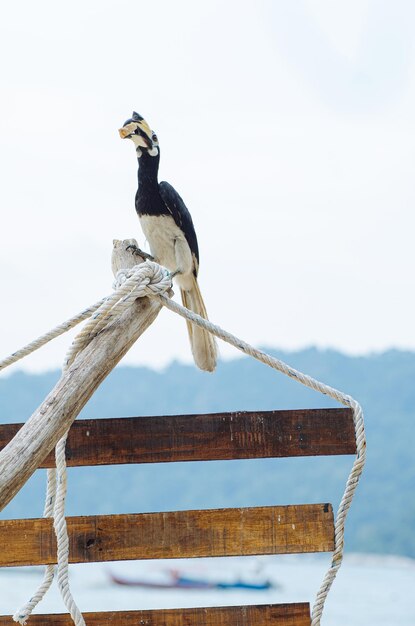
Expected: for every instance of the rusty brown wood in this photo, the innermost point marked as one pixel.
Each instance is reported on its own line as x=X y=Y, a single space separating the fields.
x=240 y=435
x=260 y=615
x=180 y=534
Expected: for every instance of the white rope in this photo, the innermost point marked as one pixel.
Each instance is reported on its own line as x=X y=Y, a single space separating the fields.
x=59 y=525
x=150 y=279
x=44 y=339
x=23 y=613
x=308 y=381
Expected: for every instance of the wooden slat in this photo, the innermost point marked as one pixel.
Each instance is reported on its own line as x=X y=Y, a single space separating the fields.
x=215 y=532
x=242 y=435
x=260 y=615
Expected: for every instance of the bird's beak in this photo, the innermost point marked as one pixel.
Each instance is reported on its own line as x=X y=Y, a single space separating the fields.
x=143 y=138
x=127 y=130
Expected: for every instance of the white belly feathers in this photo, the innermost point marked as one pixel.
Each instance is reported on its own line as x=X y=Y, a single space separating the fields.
x=167 y=244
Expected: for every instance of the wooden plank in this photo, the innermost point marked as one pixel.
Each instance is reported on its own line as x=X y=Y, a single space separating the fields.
x=241 y=435
x=260 y=615
x=181 y=534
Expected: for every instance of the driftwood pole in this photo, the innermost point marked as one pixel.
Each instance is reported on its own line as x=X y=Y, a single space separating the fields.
x=21 y=457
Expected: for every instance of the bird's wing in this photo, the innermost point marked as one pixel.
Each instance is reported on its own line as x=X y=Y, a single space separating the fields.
x=181 y=216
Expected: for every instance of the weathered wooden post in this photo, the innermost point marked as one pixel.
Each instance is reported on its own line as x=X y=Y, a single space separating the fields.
x=21 y=457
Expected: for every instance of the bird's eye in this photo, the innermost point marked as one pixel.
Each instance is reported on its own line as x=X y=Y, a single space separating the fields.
x=154 y=137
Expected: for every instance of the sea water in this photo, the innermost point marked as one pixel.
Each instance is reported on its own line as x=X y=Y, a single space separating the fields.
x=368 y=591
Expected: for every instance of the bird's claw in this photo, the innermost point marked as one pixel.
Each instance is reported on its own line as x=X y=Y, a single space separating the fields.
x=173 y=274
x=137 y=251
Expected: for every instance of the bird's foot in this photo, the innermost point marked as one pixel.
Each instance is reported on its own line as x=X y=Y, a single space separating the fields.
x=137 y=251
x=175 y=273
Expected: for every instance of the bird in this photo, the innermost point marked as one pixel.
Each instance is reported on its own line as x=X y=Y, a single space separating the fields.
x=168 y=227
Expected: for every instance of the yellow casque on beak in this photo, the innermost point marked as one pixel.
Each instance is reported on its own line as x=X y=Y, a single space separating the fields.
x=145 y=128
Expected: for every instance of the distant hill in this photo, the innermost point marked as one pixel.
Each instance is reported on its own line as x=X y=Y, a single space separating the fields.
x=382 y=518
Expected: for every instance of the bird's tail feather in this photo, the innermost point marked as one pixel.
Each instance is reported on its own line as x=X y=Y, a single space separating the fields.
x=202 y=342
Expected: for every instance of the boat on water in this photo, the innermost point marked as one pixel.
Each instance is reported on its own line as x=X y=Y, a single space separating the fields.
x=176 y=580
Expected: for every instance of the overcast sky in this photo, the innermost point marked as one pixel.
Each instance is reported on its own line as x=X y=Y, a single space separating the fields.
x=287 y=127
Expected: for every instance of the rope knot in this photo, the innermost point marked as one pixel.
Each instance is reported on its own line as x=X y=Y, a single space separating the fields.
x=148 y=276
x=159 y=278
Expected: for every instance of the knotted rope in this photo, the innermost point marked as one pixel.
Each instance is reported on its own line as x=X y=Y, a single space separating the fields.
x=149 y=279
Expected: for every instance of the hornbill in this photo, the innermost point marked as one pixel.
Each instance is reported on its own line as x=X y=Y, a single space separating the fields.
x=168 y=228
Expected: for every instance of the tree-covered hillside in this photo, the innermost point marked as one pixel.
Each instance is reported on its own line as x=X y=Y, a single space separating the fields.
x=382 y=517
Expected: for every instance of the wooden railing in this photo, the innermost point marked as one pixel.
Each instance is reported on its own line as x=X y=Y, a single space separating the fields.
x=203 y=533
